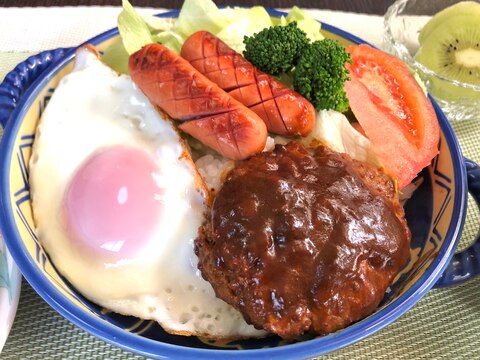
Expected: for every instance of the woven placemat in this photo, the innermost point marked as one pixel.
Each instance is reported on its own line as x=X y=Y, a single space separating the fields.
x=445 y=324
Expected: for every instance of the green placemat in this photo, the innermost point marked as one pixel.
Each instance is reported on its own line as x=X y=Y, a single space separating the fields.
x=445 y=324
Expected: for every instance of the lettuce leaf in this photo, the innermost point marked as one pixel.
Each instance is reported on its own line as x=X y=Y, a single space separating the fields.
x=305 y=22
x=133 y=29
x=231 y=24
x=198 y=15
x=243 y=22
x=334 y=129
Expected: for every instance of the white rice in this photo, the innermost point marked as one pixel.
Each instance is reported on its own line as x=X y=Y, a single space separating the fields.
x=213 y=167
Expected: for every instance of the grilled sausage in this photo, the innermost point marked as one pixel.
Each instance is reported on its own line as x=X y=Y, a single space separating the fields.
x=283 y=110
x=207 y=112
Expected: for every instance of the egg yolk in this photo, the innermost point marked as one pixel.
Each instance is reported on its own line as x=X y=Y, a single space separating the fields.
x=113 y=203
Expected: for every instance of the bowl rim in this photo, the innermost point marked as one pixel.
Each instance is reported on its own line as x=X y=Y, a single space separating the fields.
x=156 y=349
x=402 y=49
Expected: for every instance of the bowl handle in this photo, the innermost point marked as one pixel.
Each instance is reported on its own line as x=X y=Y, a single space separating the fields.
x=17 y=81
x=466 y=263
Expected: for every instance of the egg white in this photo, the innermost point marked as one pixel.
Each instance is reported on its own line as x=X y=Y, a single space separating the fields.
x=92 y=108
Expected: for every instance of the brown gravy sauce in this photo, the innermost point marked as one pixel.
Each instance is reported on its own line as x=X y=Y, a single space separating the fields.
x=306 y=241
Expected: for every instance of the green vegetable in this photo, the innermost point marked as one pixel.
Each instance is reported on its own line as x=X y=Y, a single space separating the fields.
x=319 y=70
x=243 y=22
x=230 y=24
x=320 y=74
x=334 y=129
x=306 y=23
x=116 y=57
x=139 y=30
x=198 y=15
x=276 y=49
x=130 y=22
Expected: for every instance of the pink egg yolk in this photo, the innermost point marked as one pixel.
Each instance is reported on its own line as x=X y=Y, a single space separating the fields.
x=113 y=204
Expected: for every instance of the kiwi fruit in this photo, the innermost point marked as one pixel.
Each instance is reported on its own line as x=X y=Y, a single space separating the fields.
x=460 y=10
x=451 y=48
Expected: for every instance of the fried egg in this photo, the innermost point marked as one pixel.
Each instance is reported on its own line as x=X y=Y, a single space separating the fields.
x=117 y=203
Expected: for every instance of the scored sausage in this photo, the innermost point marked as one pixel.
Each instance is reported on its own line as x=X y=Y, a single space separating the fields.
x=207 y=112
x=283 y=110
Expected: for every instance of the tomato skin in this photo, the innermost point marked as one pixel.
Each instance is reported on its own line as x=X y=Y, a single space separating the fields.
x=393 y=111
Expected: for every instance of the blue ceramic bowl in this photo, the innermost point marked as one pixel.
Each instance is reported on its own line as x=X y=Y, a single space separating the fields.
x=435 y=215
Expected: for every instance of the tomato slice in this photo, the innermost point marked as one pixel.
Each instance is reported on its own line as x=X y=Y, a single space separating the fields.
x=393 y=111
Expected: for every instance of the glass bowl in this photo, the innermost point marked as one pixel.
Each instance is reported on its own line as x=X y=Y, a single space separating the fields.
x=403 y=21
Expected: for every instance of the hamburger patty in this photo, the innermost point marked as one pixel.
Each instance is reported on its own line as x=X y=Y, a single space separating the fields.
x=303 y=241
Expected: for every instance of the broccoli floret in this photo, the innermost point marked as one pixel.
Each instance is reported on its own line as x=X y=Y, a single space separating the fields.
x=320 y=74
x=276 y=49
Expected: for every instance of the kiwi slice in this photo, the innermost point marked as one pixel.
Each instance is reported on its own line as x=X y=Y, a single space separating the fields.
x=457 y=11
x=452 y=49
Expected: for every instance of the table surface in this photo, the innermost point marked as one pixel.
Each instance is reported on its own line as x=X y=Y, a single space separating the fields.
x=360 y=6
x=444 y=324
